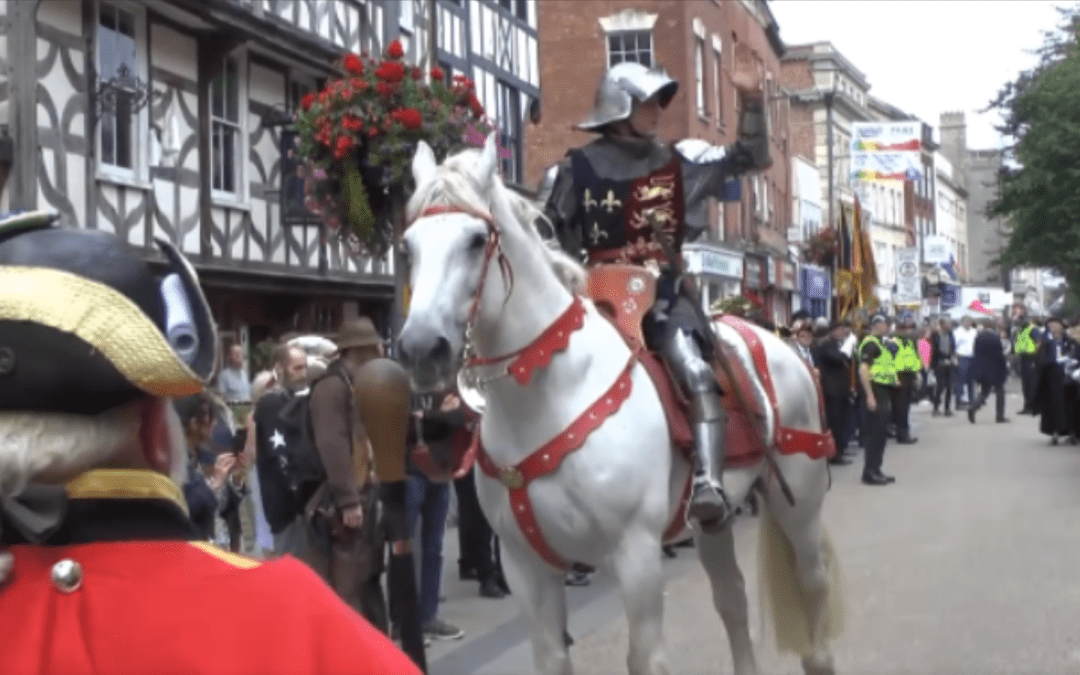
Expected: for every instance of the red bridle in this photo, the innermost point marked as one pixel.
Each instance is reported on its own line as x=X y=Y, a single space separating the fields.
x=493 y=246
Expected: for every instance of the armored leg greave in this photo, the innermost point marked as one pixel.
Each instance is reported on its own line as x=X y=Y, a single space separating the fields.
x=709 y=419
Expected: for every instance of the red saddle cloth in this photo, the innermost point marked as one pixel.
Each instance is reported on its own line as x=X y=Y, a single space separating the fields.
x=625 y=293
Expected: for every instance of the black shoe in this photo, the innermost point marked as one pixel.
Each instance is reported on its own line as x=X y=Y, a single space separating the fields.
x=489 y=588
x=1003 y=420
x=840 y=460
x=567 y=639
x=438 y=629
x=907 y=440
x=875 y=479
x=669 y=551
x=888 y=478
x=971 y=415
x=501 y=581
x=467 y=573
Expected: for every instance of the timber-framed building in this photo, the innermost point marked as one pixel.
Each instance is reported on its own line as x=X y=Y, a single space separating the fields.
x=170 y=119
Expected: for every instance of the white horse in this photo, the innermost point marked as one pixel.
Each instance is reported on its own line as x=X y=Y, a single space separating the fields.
x=607 y=503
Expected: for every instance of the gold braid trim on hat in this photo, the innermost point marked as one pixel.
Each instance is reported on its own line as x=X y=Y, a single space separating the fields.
x=103 y=318
x=125 y=484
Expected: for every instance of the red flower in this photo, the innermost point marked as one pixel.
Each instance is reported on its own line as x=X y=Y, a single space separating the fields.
x=416 y=74
x=352 y=123
x=384 y=89
x=358 y=83
x=307 y=101
x=353 y=64
x=395 y=50
x=344 y=144
x=437 y=74
x=475 y=106
x=324 y=96
x=410 y=118
x=391 y=71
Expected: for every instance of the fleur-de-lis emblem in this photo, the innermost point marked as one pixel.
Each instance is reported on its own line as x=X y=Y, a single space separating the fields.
x=610 y=203
x=597 y=235
x=589 y=201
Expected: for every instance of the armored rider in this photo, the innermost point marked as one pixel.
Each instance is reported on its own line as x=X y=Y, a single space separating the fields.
x=610 y=199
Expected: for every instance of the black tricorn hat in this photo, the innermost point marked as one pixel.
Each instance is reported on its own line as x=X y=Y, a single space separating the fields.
x=86 y=326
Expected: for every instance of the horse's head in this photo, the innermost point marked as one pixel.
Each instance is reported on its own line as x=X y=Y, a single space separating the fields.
x=450 y=247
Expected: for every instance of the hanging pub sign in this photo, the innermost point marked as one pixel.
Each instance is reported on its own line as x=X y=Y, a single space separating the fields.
x=753 y=272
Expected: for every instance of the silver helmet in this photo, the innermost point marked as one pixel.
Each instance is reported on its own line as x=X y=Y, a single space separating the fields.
x=620 y=86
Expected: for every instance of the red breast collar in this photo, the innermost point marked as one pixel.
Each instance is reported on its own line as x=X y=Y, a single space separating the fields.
x=538 y=353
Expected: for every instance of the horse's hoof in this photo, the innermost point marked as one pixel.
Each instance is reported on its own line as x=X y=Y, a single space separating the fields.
x=818 y=665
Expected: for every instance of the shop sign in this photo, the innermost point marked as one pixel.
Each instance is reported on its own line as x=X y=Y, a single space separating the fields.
x=721 y=264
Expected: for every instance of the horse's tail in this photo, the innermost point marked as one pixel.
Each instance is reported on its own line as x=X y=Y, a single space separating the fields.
x=781 y=591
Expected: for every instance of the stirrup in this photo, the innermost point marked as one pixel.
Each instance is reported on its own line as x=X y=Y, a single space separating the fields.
x=725 y=510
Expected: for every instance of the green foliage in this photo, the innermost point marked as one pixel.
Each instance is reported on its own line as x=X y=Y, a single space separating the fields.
x=1040 y=184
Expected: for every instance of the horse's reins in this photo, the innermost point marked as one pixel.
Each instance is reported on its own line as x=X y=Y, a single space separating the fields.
x=494 y=245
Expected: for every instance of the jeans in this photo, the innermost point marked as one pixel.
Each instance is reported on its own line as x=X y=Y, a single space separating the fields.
x=963 y=379
x=431 y=501
x=944 y=391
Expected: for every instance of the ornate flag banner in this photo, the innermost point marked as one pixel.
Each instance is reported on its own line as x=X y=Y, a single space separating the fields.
x=886 y=151
x=908 y=281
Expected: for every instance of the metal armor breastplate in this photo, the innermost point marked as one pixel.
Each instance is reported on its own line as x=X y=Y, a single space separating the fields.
x=614 y=214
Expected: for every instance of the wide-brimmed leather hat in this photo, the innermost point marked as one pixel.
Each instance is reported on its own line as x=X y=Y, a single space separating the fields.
x=359 y=332
x=85 y=325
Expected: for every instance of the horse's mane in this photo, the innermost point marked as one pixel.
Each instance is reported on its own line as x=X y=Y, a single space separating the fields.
x=454 y=185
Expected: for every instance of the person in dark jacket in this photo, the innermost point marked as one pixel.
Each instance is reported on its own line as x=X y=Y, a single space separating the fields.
x=284 y=496
x=835 y=369
x=1054 y=393
x=943 y=361
x=989 y=369
x=213 y=486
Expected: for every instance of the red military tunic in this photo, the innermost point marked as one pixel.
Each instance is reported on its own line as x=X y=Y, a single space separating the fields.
x=170 y=606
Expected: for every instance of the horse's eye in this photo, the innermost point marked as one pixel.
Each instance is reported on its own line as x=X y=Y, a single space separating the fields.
x=477 y=242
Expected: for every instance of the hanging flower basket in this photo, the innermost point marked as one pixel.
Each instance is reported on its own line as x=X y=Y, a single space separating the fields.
x=738 y=305
x=821 y=248
x=356 y=139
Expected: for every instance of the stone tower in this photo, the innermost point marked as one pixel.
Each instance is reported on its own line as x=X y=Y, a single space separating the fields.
x=953 y=134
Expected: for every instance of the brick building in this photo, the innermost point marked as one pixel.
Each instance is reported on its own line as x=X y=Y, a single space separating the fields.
x=697 y=42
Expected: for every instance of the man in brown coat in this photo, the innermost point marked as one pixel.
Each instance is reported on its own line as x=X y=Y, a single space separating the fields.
x=344 y=510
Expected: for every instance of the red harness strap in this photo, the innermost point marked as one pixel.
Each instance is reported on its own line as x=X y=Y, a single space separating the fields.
x=816 y=444
x=538 y=353
x=548 y=458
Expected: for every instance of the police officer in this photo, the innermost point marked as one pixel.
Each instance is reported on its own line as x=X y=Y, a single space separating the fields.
x=908 y=367
x=877 y=375
x=1026 y=348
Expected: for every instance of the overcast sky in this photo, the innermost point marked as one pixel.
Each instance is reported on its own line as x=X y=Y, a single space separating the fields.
x=928 y=56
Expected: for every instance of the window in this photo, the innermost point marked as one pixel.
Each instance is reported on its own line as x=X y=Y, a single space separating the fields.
x=699 y=76
x=518 y=8
x=635 y=46
x=119 y=42
x=508 y=115
x=227 y=130
x=718 y=92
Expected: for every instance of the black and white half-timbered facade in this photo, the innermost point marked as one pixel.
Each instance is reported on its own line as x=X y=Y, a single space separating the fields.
x=170 y=119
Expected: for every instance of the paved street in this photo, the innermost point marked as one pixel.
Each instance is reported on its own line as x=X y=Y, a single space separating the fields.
x=968 y=564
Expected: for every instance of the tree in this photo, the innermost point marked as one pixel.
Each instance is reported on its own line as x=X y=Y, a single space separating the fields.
x=1040 y=178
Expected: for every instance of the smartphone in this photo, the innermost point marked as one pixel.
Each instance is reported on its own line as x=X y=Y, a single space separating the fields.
x=239 y=440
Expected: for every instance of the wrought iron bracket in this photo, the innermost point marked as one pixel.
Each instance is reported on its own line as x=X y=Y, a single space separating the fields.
x=125 y=82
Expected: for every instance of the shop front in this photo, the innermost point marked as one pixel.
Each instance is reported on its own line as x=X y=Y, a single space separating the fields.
x=720 y=271
x=755 y=280
x=815 y=290
x=781 y=283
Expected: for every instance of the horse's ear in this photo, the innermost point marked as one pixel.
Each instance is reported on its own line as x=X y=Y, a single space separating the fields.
x=423 y=163
x=489 y=159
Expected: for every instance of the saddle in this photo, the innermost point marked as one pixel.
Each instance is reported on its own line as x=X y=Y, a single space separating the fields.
x=625 y=294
